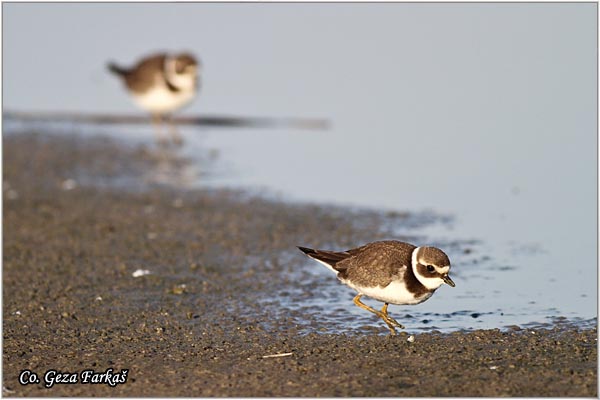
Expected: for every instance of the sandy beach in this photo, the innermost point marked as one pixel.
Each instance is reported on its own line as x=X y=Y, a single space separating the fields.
x=196 y=325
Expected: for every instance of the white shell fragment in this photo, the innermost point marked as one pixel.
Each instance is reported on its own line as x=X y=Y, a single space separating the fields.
x=140 y=272
x=277 y=355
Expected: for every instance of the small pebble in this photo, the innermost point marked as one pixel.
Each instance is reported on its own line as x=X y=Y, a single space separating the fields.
x=178 y=289
x=411 y=339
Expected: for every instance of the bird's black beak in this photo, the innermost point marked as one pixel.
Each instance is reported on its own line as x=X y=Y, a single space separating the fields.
x=448 y=281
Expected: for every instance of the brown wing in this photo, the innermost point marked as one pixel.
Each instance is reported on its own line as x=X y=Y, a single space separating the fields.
x=376 y=264
x=142 y=77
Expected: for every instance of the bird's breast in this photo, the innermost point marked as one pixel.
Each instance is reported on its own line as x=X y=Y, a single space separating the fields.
x=160 y=99
x=394 y=293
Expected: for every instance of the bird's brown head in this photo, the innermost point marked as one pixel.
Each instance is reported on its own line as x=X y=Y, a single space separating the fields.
x=185 y=62
x=431 y=266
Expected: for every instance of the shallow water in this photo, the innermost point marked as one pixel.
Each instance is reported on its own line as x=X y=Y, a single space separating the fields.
x=507 y=269
x=523 y=254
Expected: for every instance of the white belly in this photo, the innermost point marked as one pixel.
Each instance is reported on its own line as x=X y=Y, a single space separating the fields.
x=160 y=100
x=394 y=293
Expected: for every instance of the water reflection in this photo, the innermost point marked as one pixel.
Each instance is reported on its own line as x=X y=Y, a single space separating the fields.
x=169 y=168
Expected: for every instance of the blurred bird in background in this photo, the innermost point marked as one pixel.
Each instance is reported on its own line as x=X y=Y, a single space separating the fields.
x=161 y=84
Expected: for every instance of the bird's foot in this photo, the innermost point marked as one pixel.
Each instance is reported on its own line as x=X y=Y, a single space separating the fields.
x=391 y=321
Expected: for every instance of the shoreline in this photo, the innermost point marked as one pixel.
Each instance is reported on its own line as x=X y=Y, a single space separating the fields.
x=197 y=324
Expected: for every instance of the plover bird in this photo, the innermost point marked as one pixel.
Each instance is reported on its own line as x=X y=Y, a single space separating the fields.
x=161 y=83
x=389 y=271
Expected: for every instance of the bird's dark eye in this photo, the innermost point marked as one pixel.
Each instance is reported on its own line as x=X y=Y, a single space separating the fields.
x=430 y=268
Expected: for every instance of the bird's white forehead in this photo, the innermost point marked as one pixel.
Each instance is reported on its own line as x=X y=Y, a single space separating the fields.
x=443 y=270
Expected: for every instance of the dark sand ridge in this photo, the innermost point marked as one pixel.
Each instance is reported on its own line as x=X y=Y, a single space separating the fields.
x=71 y=303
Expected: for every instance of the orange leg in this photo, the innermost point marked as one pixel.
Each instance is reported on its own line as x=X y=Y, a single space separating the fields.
x=391 y=322
x=390 y=319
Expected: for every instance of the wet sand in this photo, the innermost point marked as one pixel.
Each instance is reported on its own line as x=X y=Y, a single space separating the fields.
x=197 y=325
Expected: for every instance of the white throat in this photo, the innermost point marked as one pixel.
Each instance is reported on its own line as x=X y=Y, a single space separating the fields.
x=429 y=283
